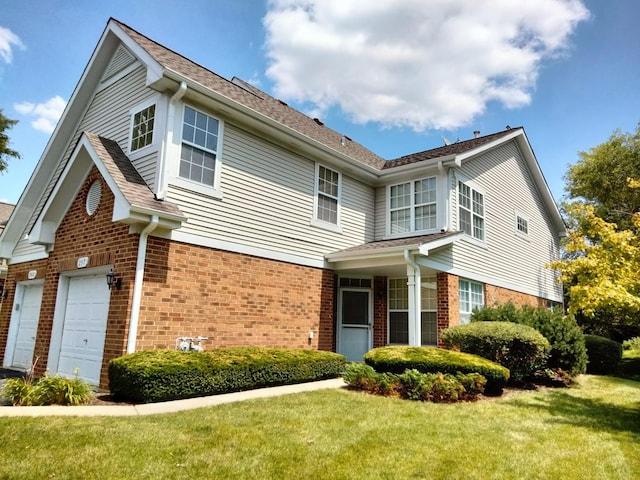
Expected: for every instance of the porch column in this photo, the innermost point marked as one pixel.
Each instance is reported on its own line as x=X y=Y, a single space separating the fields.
x=415 y=301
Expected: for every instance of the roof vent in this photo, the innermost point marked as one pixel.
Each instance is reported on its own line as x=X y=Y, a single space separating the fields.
x=318 y=121
x=476 y=133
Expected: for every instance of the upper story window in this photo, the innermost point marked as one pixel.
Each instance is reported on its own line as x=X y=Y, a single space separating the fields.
x=143 y=122
x=327 y=198
x=471 y=297
x=471 y=211
x=412 y=206
x=199 y=152
x=522 y=225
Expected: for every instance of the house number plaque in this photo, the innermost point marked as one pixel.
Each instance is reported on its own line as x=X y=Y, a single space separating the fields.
x=82 y=262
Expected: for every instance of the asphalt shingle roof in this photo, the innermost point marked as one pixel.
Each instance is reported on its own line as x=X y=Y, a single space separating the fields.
x=399 y=242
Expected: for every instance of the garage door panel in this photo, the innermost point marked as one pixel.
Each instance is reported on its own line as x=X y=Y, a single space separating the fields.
x=85 y=325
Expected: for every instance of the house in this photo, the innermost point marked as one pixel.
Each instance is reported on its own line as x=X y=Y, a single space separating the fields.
x=214 y=209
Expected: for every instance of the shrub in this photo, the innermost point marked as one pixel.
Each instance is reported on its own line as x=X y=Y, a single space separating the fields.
x=414 y=385
x=520 y=348
x=604 y=355
x=160 y=375
x=397 y=359
x=631 y=344
x=568 y=351
x=47 y=390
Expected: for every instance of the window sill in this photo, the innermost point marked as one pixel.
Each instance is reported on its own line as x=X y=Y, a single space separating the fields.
x=326 y=226
x=196 y=187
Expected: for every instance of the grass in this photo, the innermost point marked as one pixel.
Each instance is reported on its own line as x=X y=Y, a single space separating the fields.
x=590 y=431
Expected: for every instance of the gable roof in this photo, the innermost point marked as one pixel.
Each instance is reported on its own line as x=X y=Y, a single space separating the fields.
x=6 y=209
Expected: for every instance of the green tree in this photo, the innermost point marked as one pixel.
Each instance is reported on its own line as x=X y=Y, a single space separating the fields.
x=600 y=269
x=600 y=178
x=5 y=151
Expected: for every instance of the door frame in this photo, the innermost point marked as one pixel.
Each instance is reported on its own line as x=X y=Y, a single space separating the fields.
x=57 y=330
x=14 y=322
x=368 y=290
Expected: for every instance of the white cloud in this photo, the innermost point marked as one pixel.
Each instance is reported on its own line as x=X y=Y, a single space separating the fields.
x=8 y=40
x=414 y=63
x=46 y=114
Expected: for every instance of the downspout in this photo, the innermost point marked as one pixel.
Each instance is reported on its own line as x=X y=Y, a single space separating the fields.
x=137 y=283
x=414 y=284
x=445 y=196
x=161 y=186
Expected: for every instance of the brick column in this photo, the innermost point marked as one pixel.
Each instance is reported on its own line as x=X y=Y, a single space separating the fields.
x=448 y=302
x=379 y=311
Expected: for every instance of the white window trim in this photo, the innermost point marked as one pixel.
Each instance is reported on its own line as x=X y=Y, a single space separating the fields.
x=473 y=186
x=158 y=127
x=412 y=208
x=403 y=280
x=176 y=148
x=315 y=221
x=466 y=315
x=519 y=232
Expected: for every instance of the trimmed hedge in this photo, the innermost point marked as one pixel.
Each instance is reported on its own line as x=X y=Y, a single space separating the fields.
x=568 y=351
x=161 y=375
x=520 y=348
x=604 y=355
x=397 y=359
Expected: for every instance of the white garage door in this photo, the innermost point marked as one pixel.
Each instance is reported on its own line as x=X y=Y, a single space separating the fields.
x=85 y=325
x=27 y=315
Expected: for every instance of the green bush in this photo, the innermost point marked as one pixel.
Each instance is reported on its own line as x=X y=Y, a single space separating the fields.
x=520 y=348
x=568 y=351
x=414 y=385
x=397 y=359
x=161 y=375
x=47 y=390
x=604 y=355
x=631 y=344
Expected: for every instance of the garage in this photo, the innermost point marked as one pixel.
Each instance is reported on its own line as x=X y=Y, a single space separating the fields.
x=84 y=326
x=24 y=326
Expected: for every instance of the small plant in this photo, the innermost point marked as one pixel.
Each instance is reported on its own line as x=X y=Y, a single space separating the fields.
x=631 y=344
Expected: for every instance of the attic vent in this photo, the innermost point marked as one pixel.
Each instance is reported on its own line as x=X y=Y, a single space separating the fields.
x=318 y=121
x=120 y=60
x=94 y=195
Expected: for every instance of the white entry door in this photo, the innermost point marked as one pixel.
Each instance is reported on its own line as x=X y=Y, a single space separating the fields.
x=355 y=324
x=27 y=311
x=85 y=326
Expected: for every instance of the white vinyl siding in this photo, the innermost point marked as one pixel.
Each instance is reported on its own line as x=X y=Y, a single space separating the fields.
x=508 y=260
x=268 y=199
x=107 y=116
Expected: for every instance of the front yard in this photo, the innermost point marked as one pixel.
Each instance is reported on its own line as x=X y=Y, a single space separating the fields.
x=589 y=431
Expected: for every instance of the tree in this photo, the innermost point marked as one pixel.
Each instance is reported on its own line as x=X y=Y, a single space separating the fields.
x=600 y=269
x=5 y=151
x=600 y=178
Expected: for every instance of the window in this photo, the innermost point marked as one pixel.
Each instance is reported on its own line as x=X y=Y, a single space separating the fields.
x=200 y=135
x=142 y=133
x=471 y=296
x=327 y=195
x=399 y=311
x=412 y=206
x=522 y=225
x=471 y=211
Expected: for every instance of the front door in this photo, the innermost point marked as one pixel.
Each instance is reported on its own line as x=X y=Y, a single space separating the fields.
x=354 y=338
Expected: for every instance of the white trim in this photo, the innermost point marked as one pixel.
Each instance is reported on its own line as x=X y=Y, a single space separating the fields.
x=246 y=250
x=28 y=258
x=524 y=235
x=158 y=127
x=412 y=208
x=473 y=187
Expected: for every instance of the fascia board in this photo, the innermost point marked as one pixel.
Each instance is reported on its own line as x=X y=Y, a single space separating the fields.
x=370 y=254
x=425 y=248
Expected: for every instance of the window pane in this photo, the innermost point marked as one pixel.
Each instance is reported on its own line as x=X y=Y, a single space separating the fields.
x=465 y=305
x=398 y=294
x=400 y=195
x=200 y=137
x=425 y=191
x=327 y=209
x=142 y=133
x=465 y=221
x=478 y=227
x=189 y=116
x=201 y=121
x=188 y=132
x=401 y=221
x=429 y=328
x=428 y=292
x=478 y=203
x=399 y=327
x=426 y=217
x=464 y=195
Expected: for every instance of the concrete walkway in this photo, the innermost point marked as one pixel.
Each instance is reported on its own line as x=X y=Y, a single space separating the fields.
x=167 y=407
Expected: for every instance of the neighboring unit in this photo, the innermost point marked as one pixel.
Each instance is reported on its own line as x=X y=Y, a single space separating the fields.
x=214 y=209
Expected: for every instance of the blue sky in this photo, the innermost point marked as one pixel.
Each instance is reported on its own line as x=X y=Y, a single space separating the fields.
x=394 y=75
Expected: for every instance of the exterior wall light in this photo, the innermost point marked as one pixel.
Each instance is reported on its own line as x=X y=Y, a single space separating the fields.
x=113 y=281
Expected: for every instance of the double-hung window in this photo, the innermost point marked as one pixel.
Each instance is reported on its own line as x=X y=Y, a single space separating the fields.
x=471 y=211
x=327 y=198
x=471 y=297
x=399 y=311
x=142 y=131
x=199 y=149
x=413 y=206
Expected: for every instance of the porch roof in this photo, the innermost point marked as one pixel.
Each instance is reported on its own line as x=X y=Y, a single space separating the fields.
x=380 y=248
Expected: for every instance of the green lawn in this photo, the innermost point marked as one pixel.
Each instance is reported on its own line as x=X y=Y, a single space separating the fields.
x=590 y=431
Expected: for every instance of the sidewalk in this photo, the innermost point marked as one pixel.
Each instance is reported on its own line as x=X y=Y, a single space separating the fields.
x=167 y=407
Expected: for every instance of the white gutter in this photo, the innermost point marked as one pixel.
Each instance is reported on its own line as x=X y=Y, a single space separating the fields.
x=137 y=284
x=161 y=184
x=414 y=284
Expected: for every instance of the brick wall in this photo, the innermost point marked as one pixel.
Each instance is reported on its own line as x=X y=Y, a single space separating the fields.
x=379 y=311
x=495 y=296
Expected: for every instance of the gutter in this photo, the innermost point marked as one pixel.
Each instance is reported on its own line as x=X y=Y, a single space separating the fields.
x=137 y=283
x=161 y=185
